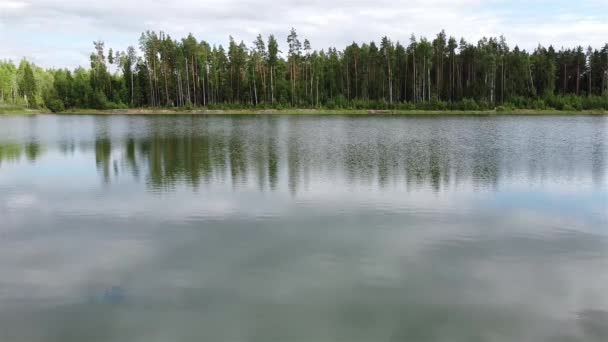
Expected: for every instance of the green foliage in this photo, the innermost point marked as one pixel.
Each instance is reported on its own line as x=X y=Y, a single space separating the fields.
x=426 y=74
x=539 y=104
x=98 y=100
x=405 y=106
x=507 y=107
x=484 y=104
x=434 y=104
x=518 y=102
x=595 y=102
x=27 y=83
x=339 y=102
x=55 y=105
x=466 y=104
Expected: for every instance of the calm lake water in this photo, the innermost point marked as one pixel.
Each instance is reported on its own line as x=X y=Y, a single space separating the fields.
x=303 y=228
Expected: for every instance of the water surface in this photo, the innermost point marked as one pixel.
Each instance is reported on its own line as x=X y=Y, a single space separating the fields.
x=303 y=228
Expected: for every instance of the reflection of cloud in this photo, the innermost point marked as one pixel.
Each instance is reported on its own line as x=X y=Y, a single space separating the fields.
x=595 y=324
x=555 y=204
x=510 y=276
x=65 y=267
x=392 y=233
x=21 y=201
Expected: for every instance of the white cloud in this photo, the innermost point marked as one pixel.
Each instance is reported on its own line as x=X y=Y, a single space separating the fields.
x=12 y=5
x=60 y=32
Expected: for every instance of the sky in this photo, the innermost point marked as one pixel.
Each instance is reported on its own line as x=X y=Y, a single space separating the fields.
x=59 y=33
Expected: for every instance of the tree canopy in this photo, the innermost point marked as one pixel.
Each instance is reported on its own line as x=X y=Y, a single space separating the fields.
x=420 y=73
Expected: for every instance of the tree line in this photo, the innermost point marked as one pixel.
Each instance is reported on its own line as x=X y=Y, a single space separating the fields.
x=442 y=73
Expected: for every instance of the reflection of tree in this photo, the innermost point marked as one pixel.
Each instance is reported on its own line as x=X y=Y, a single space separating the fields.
x=293 y=163
x=10 y=152
x=427 y=163
x=130 y=155
x=247 y=151
x=415 y=162
x=598 y=154
x=486 y=166
x=237 y=149
x=13 y=152
x=439 y=164
x=272 y=162
x=32 y=150
x=203 y=155
x=103 y=152
x=67 y=146
x=191 y=157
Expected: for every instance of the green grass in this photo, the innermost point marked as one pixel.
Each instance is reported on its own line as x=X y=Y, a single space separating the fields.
x=13 y=109
x=20 y=110
x=202 y=111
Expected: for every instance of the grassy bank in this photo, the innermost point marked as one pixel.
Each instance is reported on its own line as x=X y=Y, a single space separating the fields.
x=18 y=110
x=148 y=111
x=15 y=110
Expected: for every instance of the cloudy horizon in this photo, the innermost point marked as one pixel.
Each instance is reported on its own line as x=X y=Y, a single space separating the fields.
x=59 y=33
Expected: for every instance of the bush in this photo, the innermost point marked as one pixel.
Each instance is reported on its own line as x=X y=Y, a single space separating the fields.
x=568 y=108
x=576 y=102
x=466 y=104
x=595 y=102
x=55 y=105
x=506 y=107
x=483 y=105
x=341 y=102
x=98 y=100
x=518 y=102
x=539 y=104
x=573 y=102
x=359 y=104
x=434 y=104
x=557 y=102
x=405 y=106
x=330 y=104
x=115 y=105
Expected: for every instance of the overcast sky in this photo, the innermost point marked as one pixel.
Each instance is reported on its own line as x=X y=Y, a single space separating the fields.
x=59 y=33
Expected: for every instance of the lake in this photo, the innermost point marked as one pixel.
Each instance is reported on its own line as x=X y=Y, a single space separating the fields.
x=303 y=228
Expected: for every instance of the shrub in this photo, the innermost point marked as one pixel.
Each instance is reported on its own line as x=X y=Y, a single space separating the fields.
x=435 y=104
x=568 y=108
x=55 y=105
x=572 y=102
x=595 y=102
x=557 y=102
x=518 y=102
x=330 y=104
x=506 y=107
x=114 y=105
x=359 y=104
x=466 y=104
x=484 y=105
x=406 y=106
x=341 y=102
x=539 y=104
x=576 y=102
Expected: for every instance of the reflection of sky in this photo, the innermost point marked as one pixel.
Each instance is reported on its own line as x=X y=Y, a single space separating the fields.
x=53 y=169
x=589 y=205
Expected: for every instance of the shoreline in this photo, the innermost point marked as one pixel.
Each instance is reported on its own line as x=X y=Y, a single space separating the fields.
x=160 y=111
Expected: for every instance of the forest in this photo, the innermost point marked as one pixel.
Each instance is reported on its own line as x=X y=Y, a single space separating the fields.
x=442 y=73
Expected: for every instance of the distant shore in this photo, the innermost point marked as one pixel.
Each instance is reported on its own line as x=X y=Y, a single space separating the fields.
x=159 y=111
